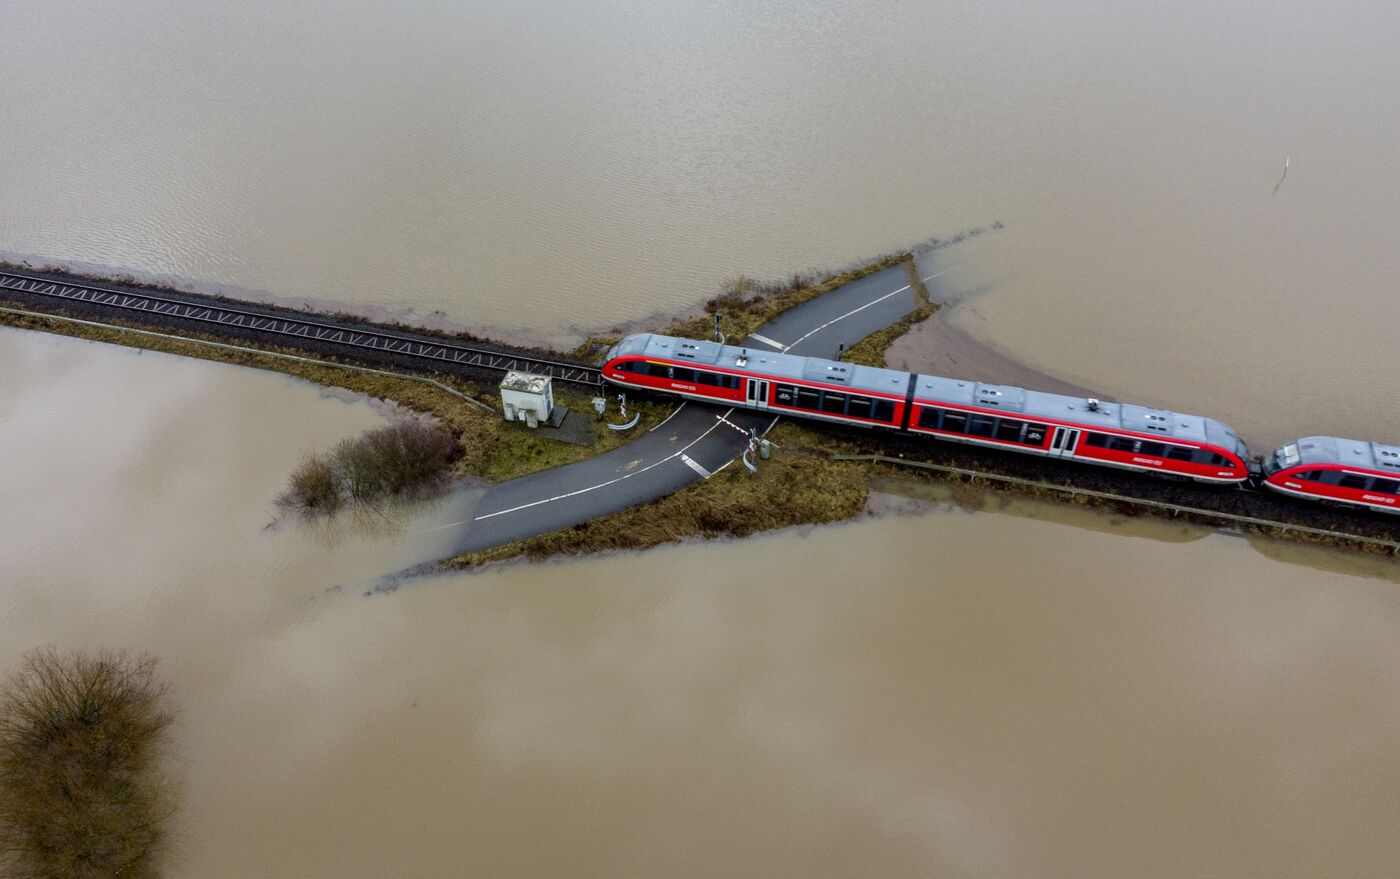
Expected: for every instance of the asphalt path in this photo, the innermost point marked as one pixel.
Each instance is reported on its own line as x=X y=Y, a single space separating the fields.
x=695 y=442
x=819 y=327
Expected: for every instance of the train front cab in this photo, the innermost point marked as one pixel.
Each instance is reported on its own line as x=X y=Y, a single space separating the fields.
x=1329 y=481
x=1086 y=443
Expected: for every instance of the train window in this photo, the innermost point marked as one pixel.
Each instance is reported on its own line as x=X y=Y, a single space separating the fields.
x=1386 y=486
x=629 y=366
x=659 y=370
x=883 y=410
x=928 y=417
x=982 y=425
x=1035 y=434
x=1096 y=440
x=858 y=407
x=808 y=398
x=955 y=422
x=833 y=403
x=1010 y=430
x=731 y=382
x=1179 y=453
x=1355 y=480
x=1306 y=475
x=682 y=373
x=1122 y=444
x=706 y=378
x=1150 y=448
x=786 y=395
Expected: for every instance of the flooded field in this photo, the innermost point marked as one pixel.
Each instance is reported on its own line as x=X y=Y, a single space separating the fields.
x=918 y=694
x=1014 y=692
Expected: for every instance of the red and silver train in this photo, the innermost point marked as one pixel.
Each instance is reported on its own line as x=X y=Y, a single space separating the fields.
x=1342 y=471
x=996 y=416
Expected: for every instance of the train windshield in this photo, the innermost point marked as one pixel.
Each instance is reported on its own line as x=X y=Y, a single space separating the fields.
x=612 y=352
x=1286 y=456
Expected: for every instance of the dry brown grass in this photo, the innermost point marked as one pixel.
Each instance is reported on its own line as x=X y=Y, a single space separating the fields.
x=81 y=792
x=798 y=486
x=745 y=305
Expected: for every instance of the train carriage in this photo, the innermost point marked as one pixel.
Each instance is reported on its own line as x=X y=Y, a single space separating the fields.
x=1337 y=470
x=1051 y=425
x=1116 y=435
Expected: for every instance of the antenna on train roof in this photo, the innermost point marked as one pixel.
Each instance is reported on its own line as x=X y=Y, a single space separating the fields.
x=1093 y=405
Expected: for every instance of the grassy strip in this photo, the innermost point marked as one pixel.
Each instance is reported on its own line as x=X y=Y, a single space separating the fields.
x=972 y=493
x=488 y=446
x=747 y=305
x=800 y=485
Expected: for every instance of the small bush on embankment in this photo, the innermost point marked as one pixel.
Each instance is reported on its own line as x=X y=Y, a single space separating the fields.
x=407 y=460
x=81 y=792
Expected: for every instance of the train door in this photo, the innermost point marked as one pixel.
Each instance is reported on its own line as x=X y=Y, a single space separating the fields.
x=757 y=394
x=1063 y=442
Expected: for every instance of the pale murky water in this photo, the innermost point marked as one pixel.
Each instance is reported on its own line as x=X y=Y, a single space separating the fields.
x=975 y=694
x=1017 y=693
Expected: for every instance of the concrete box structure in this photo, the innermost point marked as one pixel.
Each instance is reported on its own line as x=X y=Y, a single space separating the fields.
x=527 y=397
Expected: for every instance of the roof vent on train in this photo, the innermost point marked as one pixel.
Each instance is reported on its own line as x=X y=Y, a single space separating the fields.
x=827 y=371
x=1388 y=457
x=1013 y=399
x=703 y=352
x=1142 y=418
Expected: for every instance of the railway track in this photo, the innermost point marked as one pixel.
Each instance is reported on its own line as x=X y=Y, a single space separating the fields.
x=296 y=328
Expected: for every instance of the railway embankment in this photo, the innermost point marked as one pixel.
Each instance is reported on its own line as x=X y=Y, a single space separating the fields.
x=338 y=336
x=817 y=475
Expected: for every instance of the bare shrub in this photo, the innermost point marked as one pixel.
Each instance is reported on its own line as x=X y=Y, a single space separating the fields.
x=410 y=457
x=313 y=489
x=403 y=461
x=81 y=792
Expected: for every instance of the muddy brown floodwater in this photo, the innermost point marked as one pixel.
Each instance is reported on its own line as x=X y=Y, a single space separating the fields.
x=1020 y=692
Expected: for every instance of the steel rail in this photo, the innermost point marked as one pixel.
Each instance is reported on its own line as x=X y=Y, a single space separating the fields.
x=261 y=352
x=299 y=328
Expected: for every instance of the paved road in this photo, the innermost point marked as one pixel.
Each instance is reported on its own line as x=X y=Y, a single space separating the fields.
x=695 y=441
x=842 y=317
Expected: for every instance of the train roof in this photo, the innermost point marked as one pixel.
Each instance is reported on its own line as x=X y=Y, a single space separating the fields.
x=706 y=353
x=1357 y=453
x=1025 y=403
x=1039 y=404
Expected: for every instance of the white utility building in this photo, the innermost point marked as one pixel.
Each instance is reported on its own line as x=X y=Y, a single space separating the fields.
x=527 y=397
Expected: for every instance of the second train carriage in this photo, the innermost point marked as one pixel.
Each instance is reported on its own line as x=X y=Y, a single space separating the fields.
x=1343 y=471
x=1030 y=422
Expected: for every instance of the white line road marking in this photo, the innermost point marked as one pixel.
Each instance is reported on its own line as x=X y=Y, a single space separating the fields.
x=767 y=341
x=672 y=415
x=601 y=484
x=932 y=276
x=695 y=465
x=846 y=315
